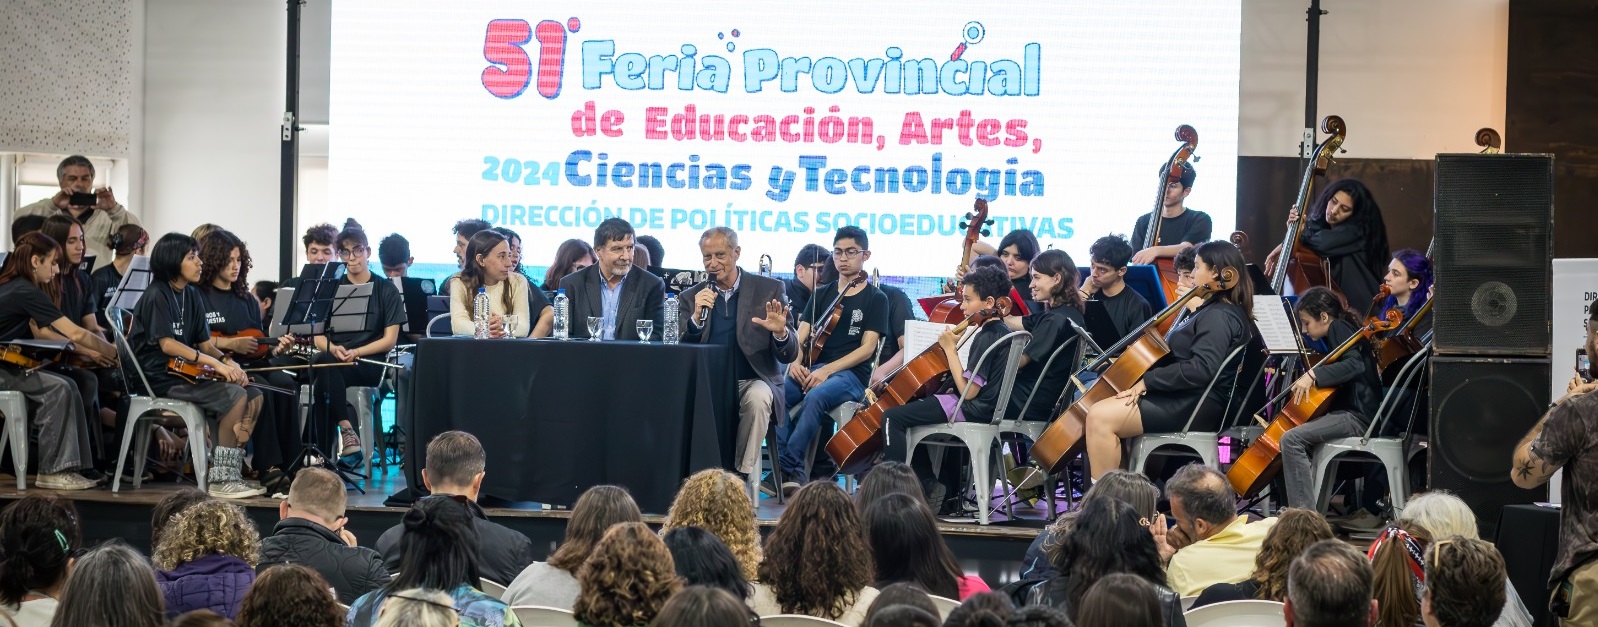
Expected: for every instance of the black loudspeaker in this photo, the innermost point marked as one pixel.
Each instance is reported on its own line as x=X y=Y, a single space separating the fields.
x=1480 y=409
x=1493 y=258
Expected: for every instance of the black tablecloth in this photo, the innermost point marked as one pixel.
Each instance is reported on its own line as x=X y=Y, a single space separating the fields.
x=1528 y=538
x=558 y=417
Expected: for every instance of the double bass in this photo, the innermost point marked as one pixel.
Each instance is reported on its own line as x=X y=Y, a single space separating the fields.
x=976 y=222
x=1260 y=464
x=1297 y=264
x=858 y=442
x=1172 y=173
x=1138 y=351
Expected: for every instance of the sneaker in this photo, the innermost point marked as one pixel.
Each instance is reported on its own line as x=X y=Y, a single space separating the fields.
x=350 y=440
x=1362 y=520
x=93 y=475
x=233 y=490
x=789 y=488
x=69 y=480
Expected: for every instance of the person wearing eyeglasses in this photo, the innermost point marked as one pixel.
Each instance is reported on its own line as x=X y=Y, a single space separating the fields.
x=810 y=270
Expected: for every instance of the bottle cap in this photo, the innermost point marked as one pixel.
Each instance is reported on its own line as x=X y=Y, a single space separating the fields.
x=482 y=290
x=561 y=291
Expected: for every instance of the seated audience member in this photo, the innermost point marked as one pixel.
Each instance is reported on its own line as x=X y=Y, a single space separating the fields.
x=817 y=562
x=1128 y=487
x=439 y=550
x=200 y=618
x=571 y=256
x=626 y=580
x=905 y=546
x=1444 y=515
x=702 y=559
x=554 y=583
x=488 y=267
x=418 y=607
x=1222 y=544
x=454 y=468
x=206 y=560
x=1295 y=530
x=312 y=533
x=885 y=478
x=1397 y=574
x=1464 y=584
x=169 y=507
x=112 y=585
x=704 y=606
x=1120 y=599
x=290 y=594
x=903 y=593
x=1040 y=616
x=717 y=501
x=904 y=616
x=987 y=608
x=1109 y=537
x=1330 y=586
x=38 y=535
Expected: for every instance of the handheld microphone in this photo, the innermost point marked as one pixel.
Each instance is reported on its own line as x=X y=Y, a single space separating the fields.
x=710 y=284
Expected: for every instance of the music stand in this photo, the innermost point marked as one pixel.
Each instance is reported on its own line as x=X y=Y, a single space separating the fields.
x=1099 y=324
x=309 y=308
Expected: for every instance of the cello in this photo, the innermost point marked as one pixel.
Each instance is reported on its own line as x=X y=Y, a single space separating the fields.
x=1139 y=350
x=1260 y=464
x=976 y=222
x=858 y=442
x=1165 y=267
x=1297 y=264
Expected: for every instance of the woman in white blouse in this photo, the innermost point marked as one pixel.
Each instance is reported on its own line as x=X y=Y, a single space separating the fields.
x=489 y=264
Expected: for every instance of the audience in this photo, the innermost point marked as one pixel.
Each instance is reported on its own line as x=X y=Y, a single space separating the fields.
x=554 y=583
x=206 y=559
x=1128 y=487
x=703 y=606
x=1221 y=544
x=904 y=616
x=888 y=477
x=817 y=562
x=981 y=610
x=903 y=593
x=1039 y=616
x=1295 y=530
x=1330 y=586
x=718 y=502
x=1444 y=515
x=702 y=559
x=906 y=546
x=439 y=550
x=38 y=534
x=1397 y=573
x=200 y=618
x=1109 y=537
x=112 y=586
x=626 y=580
x=1121 y=599
x=454 y=467
x=1464 y=584
x=290 y=595
x=169 y=507
x=312 y=533
x=418 y=608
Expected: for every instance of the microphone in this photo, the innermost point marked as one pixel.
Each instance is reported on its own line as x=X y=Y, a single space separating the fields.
x=710 y=284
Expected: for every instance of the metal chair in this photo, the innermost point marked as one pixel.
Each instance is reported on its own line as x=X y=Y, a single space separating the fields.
x=797 y=620
x=433 y=323
x=1391 y=453
x=541 y=616
x=979 y=438
x=1249 y=613
x=1205 y=443
x=142 y=411
x=1033 y=429
x=14 y=406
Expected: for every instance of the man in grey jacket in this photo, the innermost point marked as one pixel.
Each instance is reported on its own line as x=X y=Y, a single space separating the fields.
x=100 y=220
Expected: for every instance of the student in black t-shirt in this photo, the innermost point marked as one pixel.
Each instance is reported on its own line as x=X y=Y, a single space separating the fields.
x=127 y=242
x=1127 y=308
x=810 y=268
x=1053 y=328
x=27 y=281
x=169 y=323
x=839 y=373
x=79 y=301
x=1322 y=315
x=1180 y=228
x=318 y=241
x=1184 y=263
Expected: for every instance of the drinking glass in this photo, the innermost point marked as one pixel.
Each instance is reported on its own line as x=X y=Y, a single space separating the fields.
x=511 y=325
x=593 y=328
x=645 y=328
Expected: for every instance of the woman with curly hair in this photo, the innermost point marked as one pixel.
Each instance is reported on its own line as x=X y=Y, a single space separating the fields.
x=1109 y=537
x=905 y=546
x=206 y=559
x=627 y=579
x=553 y=583
x=1345 y=227
x=717 y=501
x=290 y=595
x=37 y=537
x=1123 y=485
x=1296 y=529
x=817 y=562
x=112 y=586
x=438 y=551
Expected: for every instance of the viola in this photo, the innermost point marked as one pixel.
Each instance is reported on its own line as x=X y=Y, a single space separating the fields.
x=1172 y=173
x=858 y=443
x=262 y=347
x=1139 y=350
x=1260 y=464
x=818 y=335
x=1297 y=264
x=1399 y=347
x=976 y=222
x=195 y=372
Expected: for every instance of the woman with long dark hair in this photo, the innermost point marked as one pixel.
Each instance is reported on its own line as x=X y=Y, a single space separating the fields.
x=1166 y=396
x=97 y=383
x=1017 y=250
x=817 y=562
x=438 y=551
x=885 y=478
x=571 y=256
x=1128 y=487
x=702 y=559
x=1322 y=315
x=1053 y=324
x=1109 y=538
x=905 y=546
x=704 y=606
x=38 y=535
x=1120 y=600
x=553 y=583
x=489 y=266
x=112 y=586
x=1345 y=227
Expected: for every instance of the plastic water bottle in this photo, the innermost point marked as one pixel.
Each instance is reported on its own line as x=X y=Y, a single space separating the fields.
x=562 y=318
x=480 y=313
x=668 y=331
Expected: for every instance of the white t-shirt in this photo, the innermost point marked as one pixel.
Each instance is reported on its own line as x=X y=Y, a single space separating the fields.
x=36 y=613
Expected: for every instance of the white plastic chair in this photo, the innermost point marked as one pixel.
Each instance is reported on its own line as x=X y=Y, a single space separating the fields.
x=1187 y=603
x=142 y=411
x=491 y=588
x=796 y=620
x=1205 y=443
x=1391 y=453
x=1249 y=613
x=944 y=605
x=541 y=616
x=14 y=406
x=978 y=438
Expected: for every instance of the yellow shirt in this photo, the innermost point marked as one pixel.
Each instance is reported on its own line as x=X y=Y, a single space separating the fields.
x=1226 y=557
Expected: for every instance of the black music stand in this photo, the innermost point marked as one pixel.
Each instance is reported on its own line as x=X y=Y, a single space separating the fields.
x=310 y=308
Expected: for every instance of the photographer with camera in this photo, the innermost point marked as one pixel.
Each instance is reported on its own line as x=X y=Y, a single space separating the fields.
x=96 y=209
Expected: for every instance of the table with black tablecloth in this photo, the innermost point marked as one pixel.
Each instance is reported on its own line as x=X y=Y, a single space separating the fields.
x=558 y=417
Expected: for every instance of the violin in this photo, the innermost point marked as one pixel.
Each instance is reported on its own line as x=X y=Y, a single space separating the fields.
x=1260 y=464
x=263 y=349
x=1400 y=346
x=195 y=372
x=818 y=335
x=1297 y=264
x=13 y=355
x=1165 y=267
x=1138 y=351
x=857 y=444
x=976 y=222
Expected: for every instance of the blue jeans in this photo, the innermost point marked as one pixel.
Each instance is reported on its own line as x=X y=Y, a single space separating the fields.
x=796 y=437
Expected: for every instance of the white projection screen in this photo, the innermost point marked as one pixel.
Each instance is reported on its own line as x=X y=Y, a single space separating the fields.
x=783 y=121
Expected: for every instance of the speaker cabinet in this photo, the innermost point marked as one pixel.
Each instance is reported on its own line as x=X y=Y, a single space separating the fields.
x=1493 y=254
x=1480 y=409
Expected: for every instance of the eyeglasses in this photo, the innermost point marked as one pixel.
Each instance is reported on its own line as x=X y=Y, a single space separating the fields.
x=850 y=253
x=352 y=252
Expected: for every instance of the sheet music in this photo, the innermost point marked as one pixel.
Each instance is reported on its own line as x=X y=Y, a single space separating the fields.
x=134 y=282
x=919 y=334
x=1270 y=317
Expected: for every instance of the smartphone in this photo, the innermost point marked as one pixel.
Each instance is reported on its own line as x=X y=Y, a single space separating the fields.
x=83 y=199
x=1583 y=366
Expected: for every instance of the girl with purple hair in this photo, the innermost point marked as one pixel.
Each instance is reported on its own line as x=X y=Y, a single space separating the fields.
x=1409 y=281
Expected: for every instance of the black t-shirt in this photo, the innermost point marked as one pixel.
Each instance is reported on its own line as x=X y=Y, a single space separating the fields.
x=1193 y=227
x=20 y=302
x=78 y=298
x=229 y=313
x=865 y=311
x=105 y=282
x=1127 y=309
x=1050 y=331
x=899 y=310
x=166 y=313
x=798 y=299
x=980 y=409
x=386 y=309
